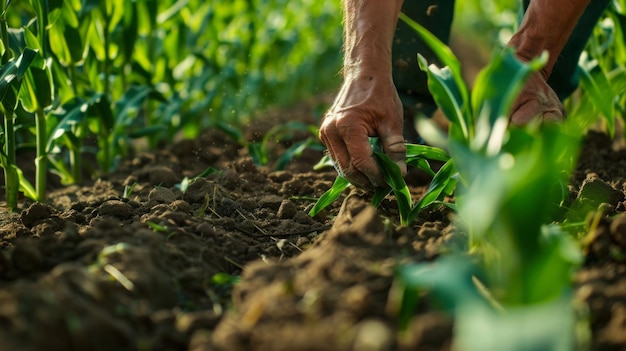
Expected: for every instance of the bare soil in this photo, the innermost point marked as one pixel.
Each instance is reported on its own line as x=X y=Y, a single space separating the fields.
x=90 y=269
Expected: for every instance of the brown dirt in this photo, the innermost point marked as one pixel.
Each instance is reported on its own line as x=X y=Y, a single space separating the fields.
x=91 y=270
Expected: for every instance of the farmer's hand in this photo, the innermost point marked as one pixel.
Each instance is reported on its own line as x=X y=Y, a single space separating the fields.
x=537 y=101
x=546 y=26
x=366 y=106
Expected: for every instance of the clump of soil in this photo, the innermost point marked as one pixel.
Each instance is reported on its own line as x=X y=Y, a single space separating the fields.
x=90 y=269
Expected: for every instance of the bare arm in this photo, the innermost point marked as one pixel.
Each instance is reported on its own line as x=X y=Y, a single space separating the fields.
x=367 y=104
x=547 y=25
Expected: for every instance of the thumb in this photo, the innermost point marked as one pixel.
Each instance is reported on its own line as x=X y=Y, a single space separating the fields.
x=393 y=146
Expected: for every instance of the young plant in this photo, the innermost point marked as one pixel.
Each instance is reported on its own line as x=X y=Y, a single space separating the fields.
x=25 y=81
x=443 y=182
x=122 y=70
x=259 y=151
x=522 y=267
x=12 y=73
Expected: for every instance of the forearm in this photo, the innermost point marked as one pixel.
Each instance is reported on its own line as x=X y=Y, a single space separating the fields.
x=547 y=25
x=369 y=26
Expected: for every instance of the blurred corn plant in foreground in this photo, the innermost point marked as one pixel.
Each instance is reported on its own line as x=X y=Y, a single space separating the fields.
x=509 y=284
x=79 y=71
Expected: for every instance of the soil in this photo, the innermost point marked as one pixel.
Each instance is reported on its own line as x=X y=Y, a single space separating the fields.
x=235 y=263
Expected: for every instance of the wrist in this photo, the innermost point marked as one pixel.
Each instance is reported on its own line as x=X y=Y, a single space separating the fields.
x=528 y=47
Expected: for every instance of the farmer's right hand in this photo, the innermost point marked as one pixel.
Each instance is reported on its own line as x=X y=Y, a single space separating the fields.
x=366 y=106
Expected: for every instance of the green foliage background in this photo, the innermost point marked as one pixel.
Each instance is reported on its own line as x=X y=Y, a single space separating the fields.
x=118 y=70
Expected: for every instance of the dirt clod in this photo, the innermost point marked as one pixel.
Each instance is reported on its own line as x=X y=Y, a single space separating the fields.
x=116 y=209
x=34 y=213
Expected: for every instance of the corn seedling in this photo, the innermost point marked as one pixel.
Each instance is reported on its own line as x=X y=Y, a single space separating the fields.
x=128 y=190
x=259 y=151
x=442 y=184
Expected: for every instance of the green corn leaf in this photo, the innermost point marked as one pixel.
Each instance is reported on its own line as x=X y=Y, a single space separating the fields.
x=620 y=6
x=37 y=90
x=41 y=12
x=25 y=187
x=393 y=178
x=130 y=102
x=549 y=326
x=12 y=182
x=208 y=171
x=446 y=94
x=414 y=151
x=63 y=11
x=60 y=169
x=423 y=164
x=95 y=40
x=30 y=40
x=324 y=162
x=617 y=79
x=8 y=79
x=112 y=11
x=330 y=195
x=258 y=154
x=130 y=30
x=445 y=55
x=292 y=152
x=379 y=195
x=17 y=42
x=496 y=88
x=73 y=114
x=101 y=108
x=89 y=5
x=171 y=12
x=449 y=277
x=11 y=76
x=68 y=44
x=442 y=184
x=233 y=132
x=595 y=83
x=148 y=13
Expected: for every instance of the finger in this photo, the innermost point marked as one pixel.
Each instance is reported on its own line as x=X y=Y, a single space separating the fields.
x=362 y=162
x=537 y=100
x=533 y=109
x=393 y=145
x=339 y=152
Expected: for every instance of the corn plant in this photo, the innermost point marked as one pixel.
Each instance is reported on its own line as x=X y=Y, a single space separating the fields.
x=25 y=80
x=115 y=71
x=511 y=286
x=443 y=183
x=259 y=151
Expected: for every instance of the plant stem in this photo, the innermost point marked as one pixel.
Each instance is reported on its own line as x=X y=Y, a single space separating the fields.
x=73 y=80
x=11 y=180
x=41 y=161
x=104 y=133
x=76 y=162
